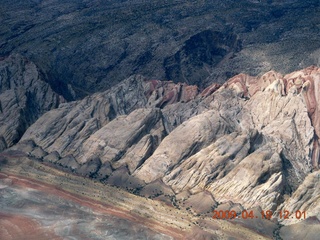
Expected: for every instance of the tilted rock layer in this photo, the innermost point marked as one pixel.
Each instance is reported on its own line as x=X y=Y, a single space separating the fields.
x=252 y=142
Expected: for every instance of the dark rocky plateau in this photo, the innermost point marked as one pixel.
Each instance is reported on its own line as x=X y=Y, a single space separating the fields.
x=91 y=45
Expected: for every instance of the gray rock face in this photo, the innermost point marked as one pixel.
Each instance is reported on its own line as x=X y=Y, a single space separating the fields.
x=305 y=198
x=176 y=147
x=76 y=125
x=250 y=142
x=24 y=97
x=93 y=45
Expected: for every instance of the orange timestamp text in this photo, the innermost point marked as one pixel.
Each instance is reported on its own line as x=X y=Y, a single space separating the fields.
x=250 y=214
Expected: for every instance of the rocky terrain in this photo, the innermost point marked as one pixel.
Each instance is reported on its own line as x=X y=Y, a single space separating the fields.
x=24 y=97
x=39 y=201
x=93 y=45
x=30 y=210
x=167 y=112
x=251 y=143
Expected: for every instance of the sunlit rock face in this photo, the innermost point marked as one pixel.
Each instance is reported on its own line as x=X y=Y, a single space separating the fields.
x=252 y=141
x=93 y=45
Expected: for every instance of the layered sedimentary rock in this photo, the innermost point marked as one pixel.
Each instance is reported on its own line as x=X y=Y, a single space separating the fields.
x=304 y=199
x=292 y=94
x=251 y=142
x=24 y=97
x=73 y=123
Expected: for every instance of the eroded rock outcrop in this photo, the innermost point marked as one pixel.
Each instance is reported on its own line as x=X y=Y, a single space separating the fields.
x=67 y=128
x=288 y=95
x=252 y=141
x=24 y=97
x=305 y=199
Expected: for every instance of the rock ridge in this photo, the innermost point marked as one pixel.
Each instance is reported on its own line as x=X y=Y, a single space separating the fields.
x=251 y=142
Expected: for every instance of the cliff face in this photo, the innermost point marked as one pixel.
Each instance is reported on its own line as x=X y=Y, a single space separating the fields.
x=24 y=97
x=252 y=141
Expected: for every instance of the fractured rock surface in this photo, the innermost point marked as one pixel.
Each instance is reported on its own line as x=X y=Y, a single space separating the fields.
x=252 y=141
x=24 y=97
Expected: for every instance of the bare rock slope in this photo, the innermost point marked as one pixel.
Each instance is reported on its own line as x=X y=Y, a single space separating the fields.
x=24 y=97
x=250 y=143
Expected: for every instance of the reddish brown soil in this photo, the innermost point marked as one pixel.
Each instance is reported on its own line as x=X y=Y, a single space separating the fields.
x=15 y=227
x=93 y=204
